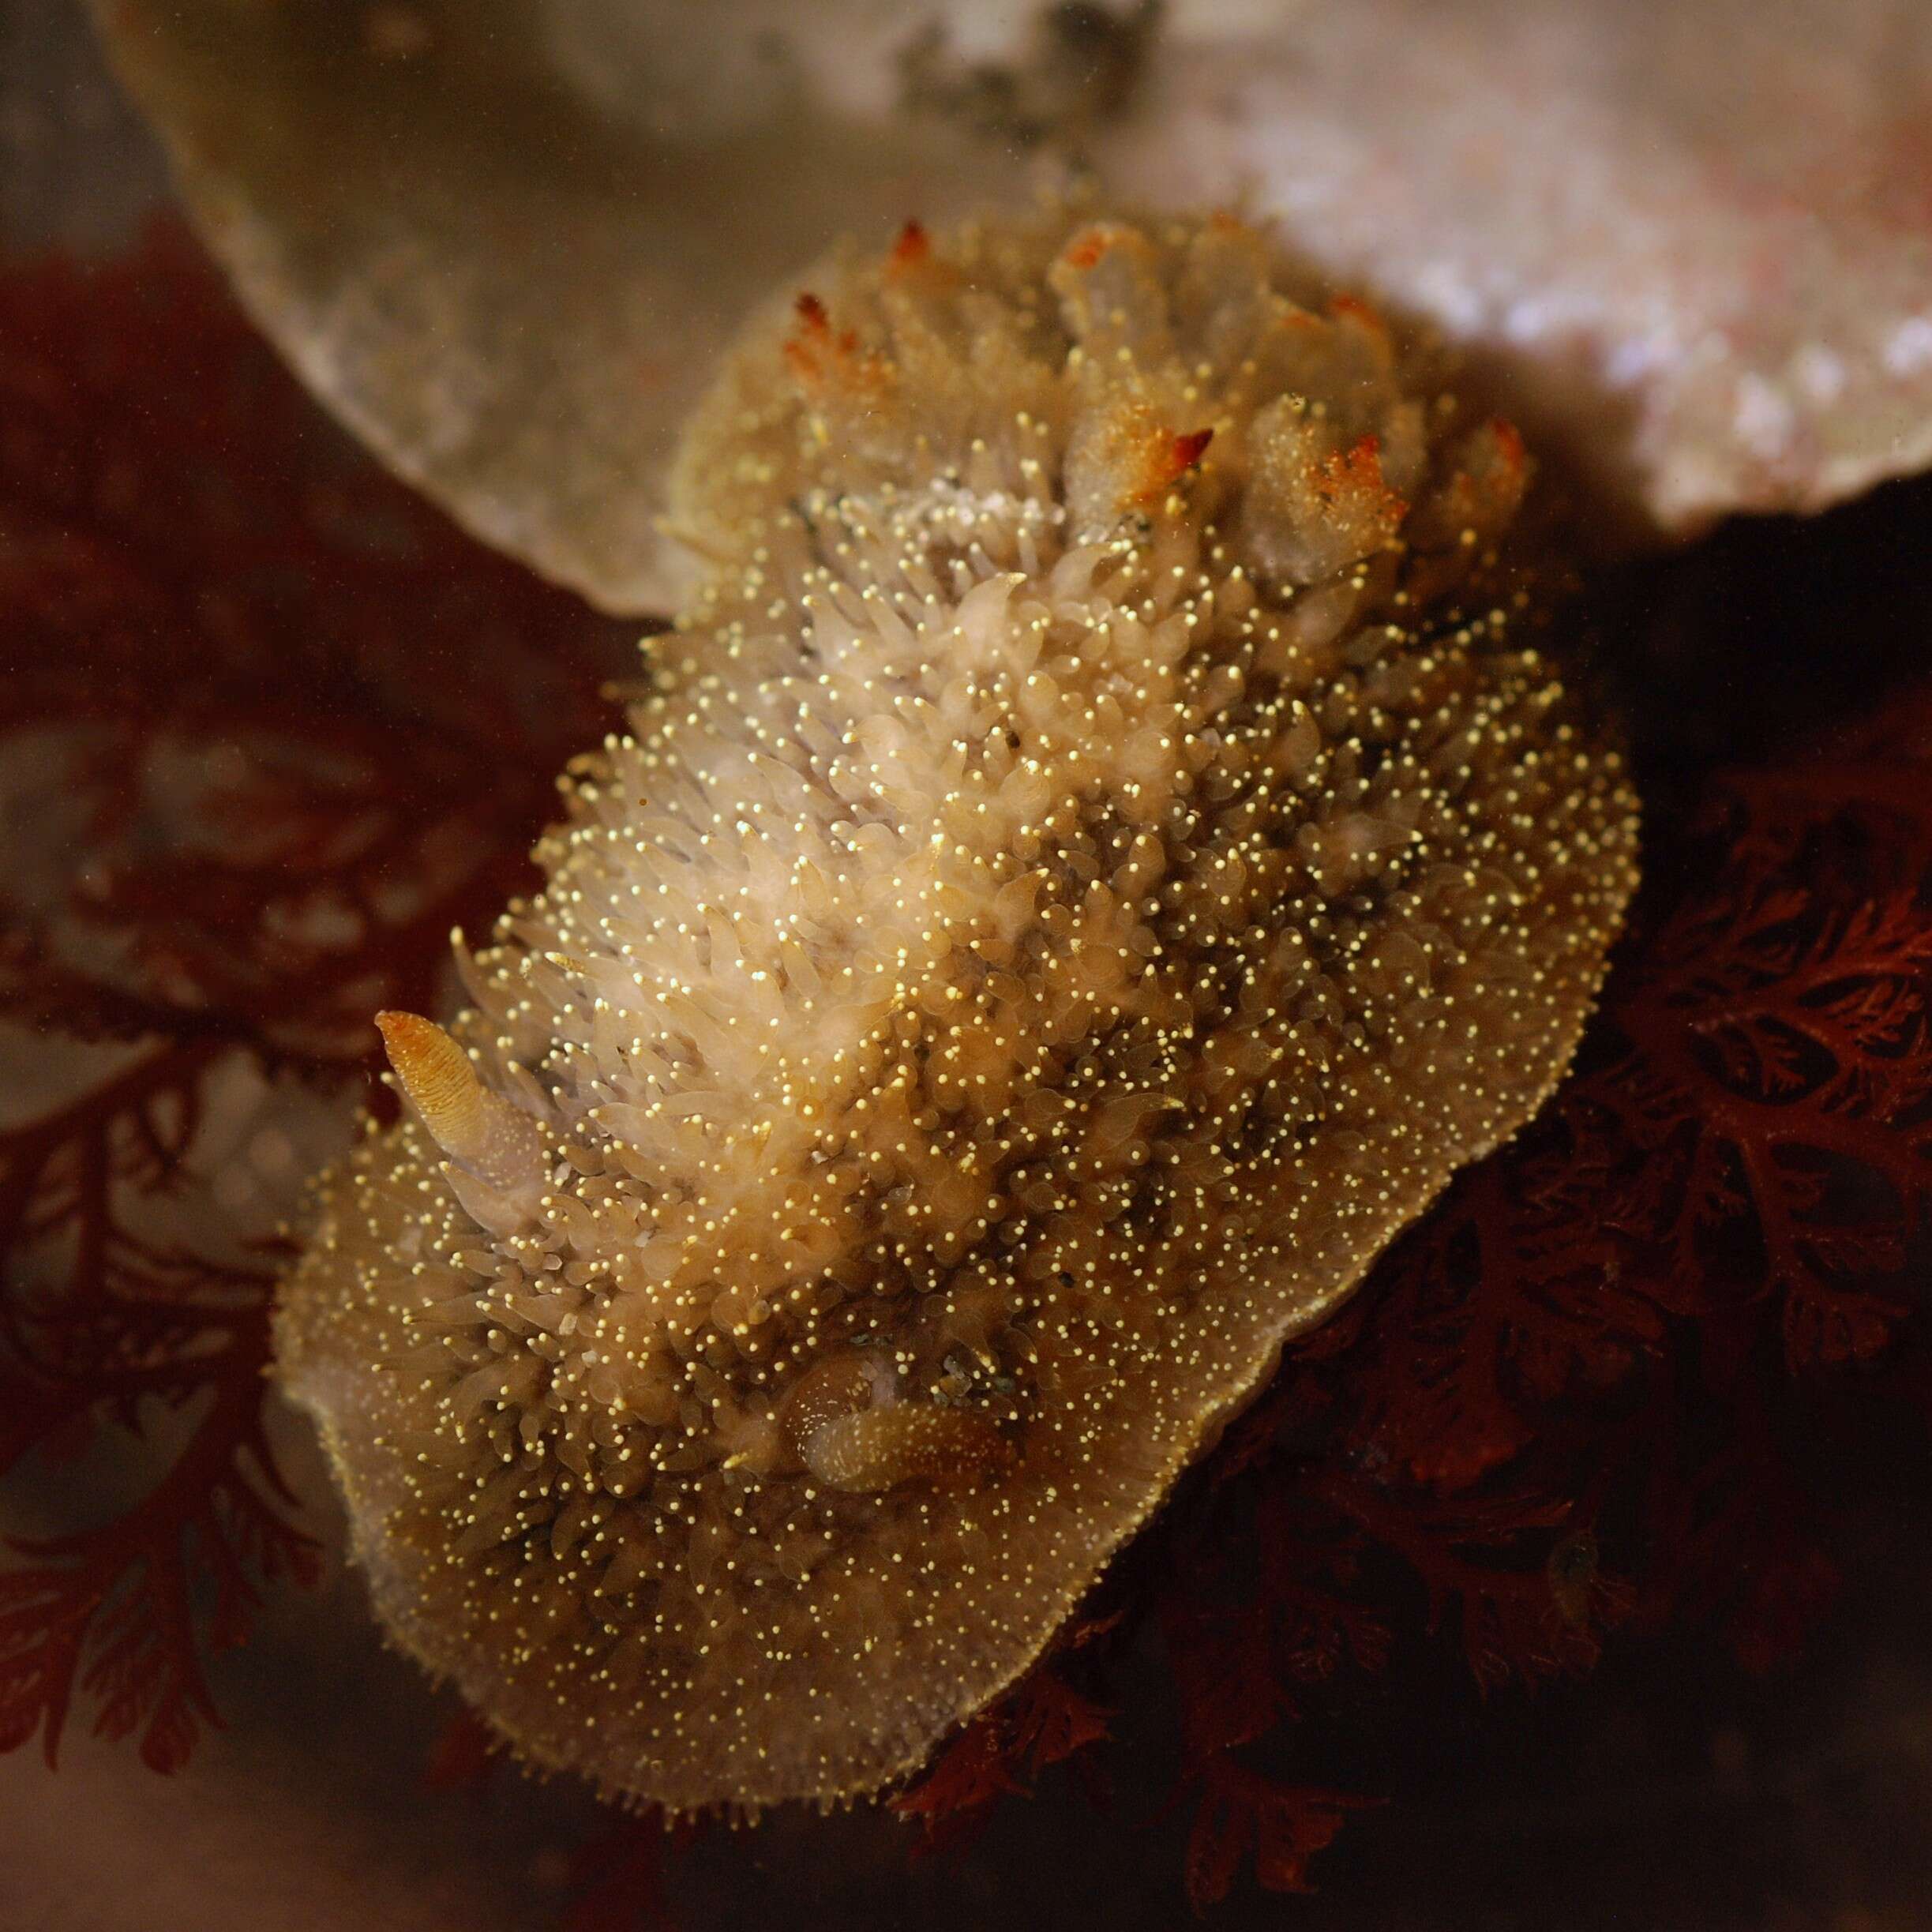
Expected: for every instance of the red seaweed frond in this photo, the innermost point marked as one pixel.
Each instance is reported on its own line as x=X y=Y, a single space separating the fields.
x=1242 y=1815
x=1046 y=1721
x=247 y=797
x=616 y=1880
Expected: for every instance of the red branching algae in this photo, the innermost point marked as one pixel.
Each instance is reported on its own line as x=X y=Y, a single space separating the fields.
x=269 y=812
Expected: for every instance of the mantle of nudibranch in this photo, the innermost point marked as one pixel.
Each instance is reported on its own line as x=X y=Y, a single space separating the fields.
x=1097 y=855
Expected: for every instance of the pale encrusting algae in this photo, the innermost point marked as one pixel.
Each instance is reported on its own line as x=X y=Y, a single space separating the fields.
x=1096 y=856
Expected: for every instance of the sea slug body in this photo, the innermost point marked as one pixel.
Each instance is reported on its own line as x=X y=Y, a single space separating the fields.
x=1096 y=856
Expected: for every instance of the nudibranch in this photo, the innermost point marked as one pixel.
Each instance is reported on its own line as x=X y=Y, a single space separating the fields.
x=1098 y=851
